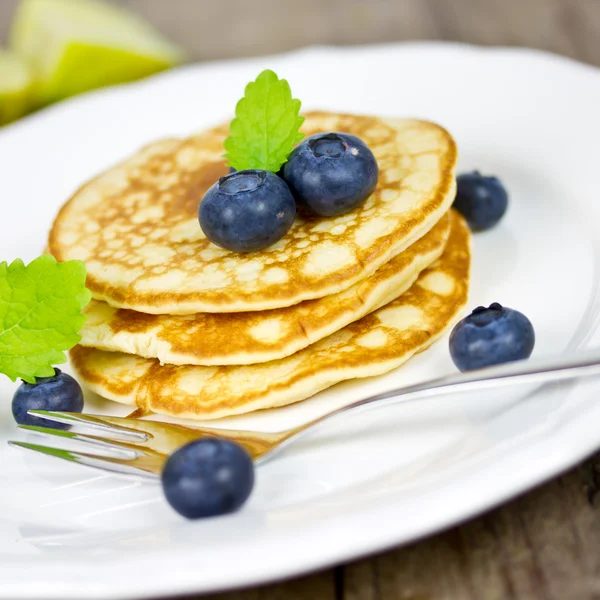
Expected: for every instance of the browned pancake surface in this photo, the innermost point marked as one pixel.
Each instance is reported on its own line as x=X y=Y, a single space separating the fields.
x=371 y=346
x=252 y=337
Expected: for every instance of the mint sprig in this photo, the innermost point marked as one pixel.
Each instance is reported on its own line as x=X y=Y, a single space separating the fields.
x=40 y=315
x=266 y=125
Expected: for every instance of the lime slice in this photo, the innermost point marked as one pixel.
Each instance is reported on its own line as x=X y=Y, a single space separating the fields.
x=16 y=87
x=78 y=45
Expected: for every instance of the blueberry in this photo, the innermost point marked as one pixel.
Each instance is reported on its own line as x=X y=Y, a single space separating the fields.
x=247 y=211
x=60 y=392
x=482 y=200
x=332 y=173
x=208 y=477
x=491 y=336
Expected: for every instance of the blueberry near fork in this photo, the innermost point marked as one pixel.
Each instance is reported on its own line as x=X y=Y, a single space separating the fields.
x=491 y=336
x=208 y=477
x=60 y=392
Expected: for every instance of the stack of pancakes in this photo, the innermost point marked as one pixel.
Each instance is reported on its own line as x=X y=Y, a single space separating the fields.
x=179 y=326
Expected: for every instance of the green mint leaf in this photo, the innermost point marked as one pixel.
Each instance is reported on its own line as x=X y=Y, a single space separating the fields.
x=40 y=315
x=266 y=125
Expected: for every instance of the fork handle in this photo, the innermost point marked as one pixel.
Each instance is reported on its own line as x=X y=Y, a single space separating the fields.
x=573 y=366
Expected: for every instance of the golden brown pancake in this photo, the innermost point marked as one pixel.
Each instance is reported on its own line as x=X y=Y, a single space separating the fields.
x=137 y=230
x=252 y=337
x=371 y=346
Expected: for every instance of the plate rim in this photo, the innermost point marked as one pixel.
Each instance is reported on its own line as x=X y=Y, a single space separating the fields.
x=12 y=586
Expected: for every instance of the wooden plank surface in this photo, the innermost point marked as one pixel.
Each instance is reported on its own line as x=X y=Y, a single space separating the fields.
x=546 y=544
x=211 y=29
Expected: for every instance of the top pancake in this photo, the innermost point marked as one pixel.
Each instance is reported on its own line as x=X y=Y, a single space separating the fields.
x=136 y=226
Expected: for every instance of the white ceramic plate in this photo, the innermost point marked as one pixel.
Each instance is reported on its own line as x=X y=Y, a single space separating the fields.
x=374 y=480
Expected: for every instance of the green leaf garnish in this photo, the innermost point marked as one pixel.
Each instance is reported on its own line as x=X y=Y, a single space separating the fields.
x=266 y=125
x=40 y=315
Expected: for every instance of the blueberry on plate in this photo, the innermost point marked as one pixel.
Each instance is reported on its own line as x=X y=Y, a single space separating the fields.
x=491 y=336
x=332 y=173
x=482 y=200
x=208 y=477
x=60 y=392
x=247 y=211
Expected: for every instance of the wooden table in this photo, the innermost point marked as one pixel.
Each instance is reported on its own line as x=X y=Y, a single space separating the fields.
x=545 y=544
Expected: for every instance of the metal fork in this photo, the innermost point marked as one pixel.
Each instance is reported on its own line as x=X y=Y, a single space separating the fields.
x=141 y=447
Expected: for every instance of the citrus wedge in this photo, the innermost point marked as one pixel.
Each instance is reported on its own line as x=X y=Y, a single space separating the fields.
x=79 y=45
x=16 y=87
